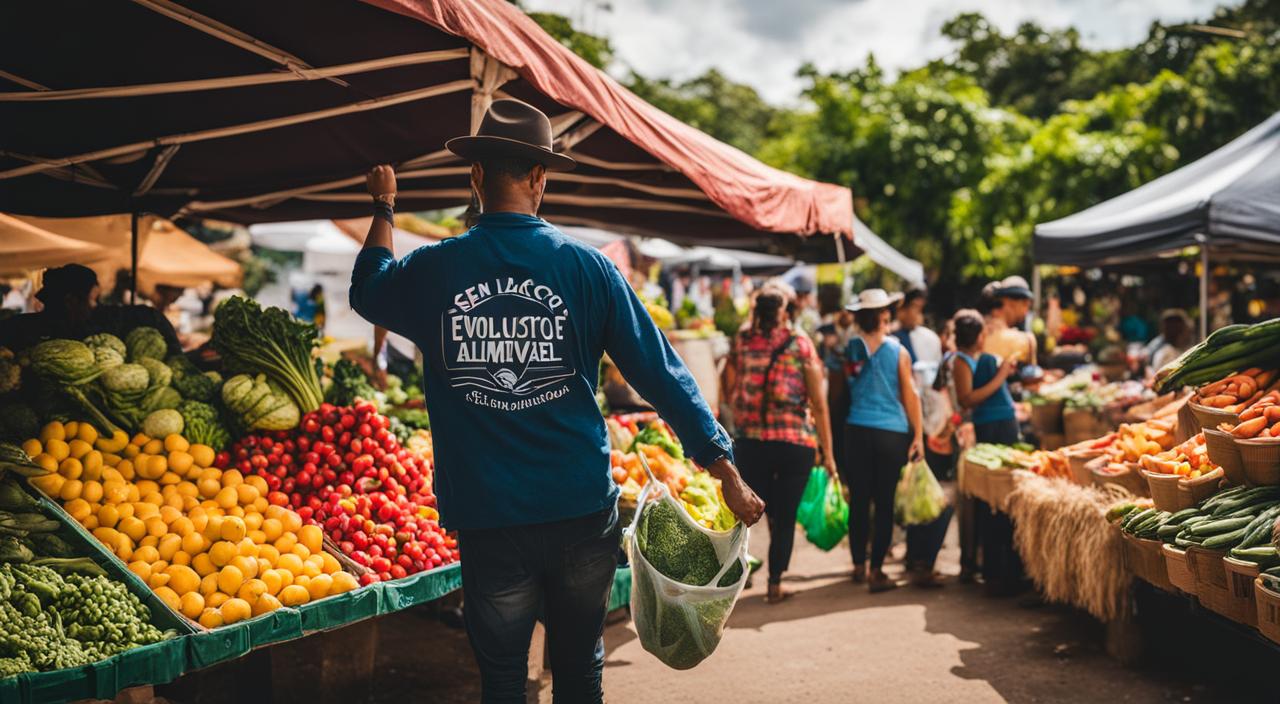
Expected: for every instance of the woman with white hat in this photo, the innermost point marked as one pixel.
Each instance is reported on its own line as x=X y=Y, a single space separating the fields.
x=882 y=432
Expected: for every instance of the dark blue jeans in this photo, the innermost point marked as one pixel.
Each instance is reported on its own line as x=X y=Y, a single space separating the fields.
x=560 y=572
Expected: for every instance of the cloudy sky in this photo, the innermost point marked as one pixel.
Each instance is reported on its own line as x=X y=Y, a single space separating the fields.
x=762 y=42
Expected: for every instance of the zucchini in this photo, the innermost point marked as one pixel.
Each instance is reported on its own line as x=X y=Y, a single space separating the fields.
x=1224 y=525
x=1222 y=541
x=1134 y=518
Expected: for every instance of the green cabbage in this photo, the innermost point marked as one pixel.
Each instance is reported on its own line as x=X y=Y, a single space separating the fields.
x=145 y=343
x=162 y=397
x=126 y=379
x=65 y=361
x=109 y=341
x=158 y=372
x=258 y=404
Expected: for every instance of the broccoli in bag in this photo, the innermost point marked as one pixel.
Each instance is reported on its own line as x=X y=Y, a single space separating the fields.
x=685 y=579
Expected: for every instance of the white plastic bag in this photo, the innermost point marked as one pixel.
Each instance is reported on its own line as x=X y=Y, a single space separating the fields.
x=681 y=624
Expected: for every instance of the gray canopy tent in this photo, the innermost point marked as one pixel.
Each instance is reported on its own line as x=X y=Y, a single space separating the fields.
x=1227 y=204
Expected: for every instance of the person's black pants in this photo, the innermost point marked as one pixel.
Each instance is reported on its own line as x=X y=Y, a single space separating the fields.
x=873 y=464
x=778 y=473
x=1001 y=567
x=561 y=572
x=925 y=541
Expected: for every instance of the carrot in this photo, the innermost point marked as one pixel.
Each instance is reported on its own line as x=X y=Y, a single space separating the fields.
x=1252 y=412
x=1249 y=428
x=1219 y=401
x=1213 y=389
x=1265 y=378
x=1247 y=389
x=1272 y=414
x=1251 y=371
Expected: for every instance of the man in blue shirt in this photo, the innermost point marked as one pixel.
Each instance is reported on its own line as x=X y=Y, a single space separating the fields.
x=512 y=318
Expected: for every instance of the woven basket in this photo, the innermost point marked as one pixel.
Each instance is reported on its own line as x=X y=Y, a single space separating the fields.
x=1201 y=488
x=973 y=479
x=1164 y=491
x=1240 y=578
x=1079 y=463
x=1131 y=480
x=1176 y=565
x=1146 y=560
x=1211 y=417
x=1212 y=587
x=1187 y=426
x=1268 y=610
x=1224 y=452
x=1052 y=441
x=1261 y=460
x=1046 y=418
x=1000 y=483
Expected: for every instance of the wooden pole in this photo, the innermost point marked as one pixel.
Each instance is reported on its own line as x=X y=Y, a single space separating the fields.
x=133 y=258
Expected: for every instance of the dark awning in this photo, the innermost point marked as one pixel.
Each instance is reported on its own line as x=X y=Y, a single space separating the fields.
x=1229 y=200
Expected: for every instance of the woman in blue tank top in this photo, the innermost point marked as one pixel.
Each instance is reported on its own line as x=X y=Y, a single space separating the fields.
x=882 y=432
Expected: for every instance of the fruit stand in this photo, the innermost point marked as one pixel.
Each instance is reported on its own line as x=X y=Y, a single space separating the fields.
x=230 y=511
x=1186 y=501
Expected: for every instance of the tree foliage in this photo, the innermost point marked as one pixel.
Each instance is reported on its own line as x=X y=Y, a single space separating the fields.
x=956 y=161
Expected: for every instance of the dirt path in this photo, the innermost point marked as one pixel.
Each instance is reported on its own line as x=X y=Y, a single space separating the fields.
x=834 y=642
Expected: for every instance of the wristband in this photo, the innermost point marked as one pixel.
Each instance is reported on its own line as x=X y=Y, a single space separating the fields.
x=382 y=209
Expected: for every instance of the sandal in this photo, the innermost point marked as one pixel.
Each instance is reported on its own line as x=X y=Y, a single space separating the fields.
x=880 y=582
x=859 y=574
x=776 y=594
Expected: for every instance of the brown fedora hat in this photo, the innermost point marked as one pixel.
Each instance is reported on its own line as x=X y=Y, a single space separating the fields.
x=512 y=128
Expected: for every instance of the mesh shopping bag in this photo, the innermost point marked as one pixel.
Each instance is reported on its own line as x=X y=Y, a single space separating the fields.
x=685 y=579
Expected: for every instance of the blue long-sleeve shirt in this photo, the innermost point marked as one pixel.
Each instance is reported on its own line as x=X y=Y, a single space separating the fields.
x=512 y=318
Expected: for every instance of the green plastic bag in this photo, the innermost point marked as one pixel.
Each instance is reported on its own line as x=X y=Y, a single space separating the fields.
x=823 y=513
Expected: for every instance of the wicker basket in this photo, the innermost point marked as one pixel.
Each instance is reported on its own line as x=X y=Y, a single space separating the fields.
x=973 y=479
x=1000 y=483
x=1131 y=480
x=1170 y=492
x=1201 y=488
x=1179 y=571
x=1240 y=578
x=1046 y=418
x=1052 y=441
x=1146 y=560
x=1211 y=417
x=1079 y=463
x=1224 y=452
x=1268 y=609
x=1187 y=426
x=1212 y=587
x=1261 y=460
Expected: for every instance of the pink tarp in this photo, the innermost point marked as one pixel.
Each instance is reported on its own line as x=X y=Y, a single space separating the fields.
x=754 y=193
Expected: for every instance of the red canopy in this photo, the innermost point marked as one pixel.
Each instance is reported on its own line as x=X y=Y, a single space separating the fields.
x=766 y=198
x=217 y=109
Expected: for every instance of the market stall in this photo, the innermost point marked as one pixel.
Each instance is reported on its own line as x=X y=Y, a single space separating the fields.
x=1187 y=500
x=166 y=254
x=218 y=130
x=1226 y=204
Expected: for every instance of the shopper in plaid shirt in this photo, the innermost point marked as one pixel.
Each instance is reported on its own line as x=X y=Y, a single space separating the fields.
x=775 y=383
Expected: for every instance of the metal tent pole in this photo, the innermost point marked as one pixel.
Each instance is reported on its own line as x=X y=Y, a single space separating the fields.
x=1204 y=289
x=1035 y=291
x=133 y=258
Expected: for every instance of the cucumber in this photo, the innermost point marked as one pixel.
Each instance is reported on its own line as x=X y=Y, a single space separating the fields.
x=1134 y=517
x=1259 y=531
x=1223 y=541
x=1220 y=526
x=1168 y=532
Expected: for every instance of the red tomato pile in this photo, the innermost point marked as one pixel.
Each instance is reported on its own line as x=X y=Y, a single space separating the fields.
x=342 y=469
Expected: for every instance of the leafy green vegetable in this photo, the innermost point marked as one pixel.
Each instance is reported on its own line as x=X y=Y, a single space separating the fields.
x=158 y=373
x=349 y=384
x=677 y=550
x=145 y=343
x=655 y=435
x=258 y=405
x=202 y=425
x=270 y=342
x=416 y=418
x=201 y=387
x=162 y=397
x=69 y=366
